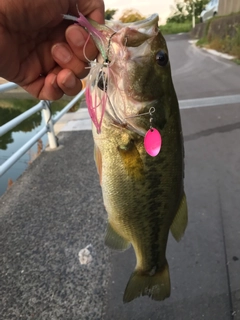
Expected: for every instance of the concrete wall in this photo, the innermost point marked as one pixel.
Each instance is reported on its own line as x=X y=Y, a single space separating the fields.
x=228 y=6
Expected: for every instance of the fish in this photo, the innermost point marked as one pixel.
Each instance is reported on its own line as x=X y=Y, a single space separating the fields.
x=130 y=95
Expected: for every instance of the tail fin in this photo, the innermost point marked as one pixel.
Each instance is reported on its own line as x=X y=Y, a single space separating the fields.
x=156 y=286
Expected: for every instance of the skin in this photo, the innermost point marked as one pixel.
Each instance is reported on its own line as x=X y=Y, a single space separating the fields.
x=40 y=51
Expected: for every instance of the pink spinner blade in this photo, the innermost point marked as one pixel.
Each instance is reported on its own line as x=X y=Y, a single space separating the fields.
x=153 y=142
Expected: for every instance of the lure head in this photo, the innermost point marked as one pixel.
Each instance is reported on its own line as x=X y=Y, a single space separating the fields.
x=132 y=70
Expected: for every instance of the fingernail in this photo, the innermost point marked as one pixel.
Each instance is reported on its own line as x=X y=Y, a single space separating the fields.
x=69 y=82
x=76 y=37
x=61 y=53
x=54 y=82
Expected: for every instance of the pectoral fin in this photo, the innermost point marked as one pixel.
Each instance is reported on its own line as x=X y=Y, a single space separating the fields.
x=114 y=241
x=131 y=160
x=180 y=221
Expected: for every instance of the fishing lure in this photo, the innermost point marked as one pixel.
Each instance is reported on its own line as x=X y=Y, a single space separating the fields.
x=152 y=138
x=97 y=99
x=96 y=103
x=99 y=76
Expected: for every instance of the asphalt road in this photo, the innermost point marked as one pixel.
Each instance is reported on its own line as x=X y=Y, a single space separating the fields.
x=55 y=209
x=198 y=74
x=205 y=265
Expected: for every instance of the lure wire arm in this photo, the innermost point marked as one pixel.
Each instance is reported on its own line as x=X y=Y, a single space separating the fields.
x=150 y=112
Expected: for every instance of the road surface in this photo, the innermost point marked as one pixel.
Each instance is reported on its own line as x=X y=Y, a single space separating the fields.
x=55 y=209
x=205 y=265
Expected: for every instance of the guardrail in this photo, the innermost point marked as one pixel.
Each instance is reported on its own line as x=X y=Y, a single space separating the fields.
x=42 y=106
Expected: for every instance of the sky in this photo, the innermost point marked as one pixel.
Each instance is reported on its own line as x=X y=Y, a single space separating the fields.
x=162 y=7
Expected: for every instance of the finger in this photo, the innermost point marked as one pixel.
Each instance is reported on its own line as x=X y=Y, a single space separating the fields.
x=66 y=59
x=91 y=9
x=81 y=44
x=54 y=85
x=51 y=90
x=97 y=15
x=45 y=88
x=68 y=82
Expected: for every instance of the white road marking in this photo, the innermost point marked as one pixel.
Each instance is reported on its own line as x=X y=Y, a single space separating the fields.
x=219 y=54
x=83 y=121
x=208 y=102
x=78 y=125
x=212 y=51
x=192 y=41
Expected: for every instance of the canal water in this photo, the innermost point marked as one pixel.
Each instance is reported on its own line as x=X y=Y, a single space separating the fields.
x=13 y=140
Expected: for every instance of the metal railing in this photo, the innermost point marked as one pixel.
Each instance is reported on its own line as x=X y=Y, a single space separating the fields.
x=48 y=128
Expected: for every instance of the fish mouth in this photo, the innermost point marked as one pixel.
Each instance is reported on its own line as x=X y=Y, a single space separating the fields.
x=143 y=26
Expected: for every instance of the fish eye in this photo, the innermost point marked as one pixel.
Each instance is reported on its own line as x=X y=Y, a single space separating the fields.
x=162 y=58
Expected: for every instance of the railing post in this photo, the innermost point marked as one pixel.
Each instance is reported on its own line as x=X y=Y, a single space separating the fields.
x=46 y=112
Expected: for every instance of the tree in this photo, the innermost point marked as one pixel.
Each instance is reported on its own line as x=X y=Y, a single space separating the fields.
x=109 y=13
x=131 y=15
x=198 y=5
x=179 y=14
x=194 y=8
x=183 y=10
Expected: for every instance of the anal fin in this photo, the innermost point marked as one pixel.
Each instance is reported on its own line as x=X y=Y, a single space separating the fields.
x=114 y=241
x=180 y=221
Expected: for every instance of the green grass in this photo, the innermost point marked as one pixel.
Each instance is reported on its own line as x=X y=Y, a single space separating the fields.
x=226 y=40
x=173 y=28
x=202 y=42
x=237 y=61
x=229 y=45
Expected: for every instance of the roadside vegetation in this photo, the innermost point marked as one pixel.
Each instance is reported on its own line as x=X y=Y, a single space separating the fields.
x=221 y=34
x=180 y=20
x=128 y=15
x=174 y=27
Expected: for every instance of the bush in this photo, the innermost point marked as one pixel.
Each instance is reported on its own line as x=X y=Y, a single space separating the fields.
x=222 y=34
x=172 y=28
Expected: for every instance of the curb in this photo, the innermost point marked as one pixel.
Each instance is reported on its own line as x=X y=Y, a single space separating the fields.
x=214 y=52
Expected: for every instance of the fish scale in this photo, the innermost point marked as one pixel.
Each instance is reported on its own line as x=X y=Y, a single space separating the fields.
x=138 y=206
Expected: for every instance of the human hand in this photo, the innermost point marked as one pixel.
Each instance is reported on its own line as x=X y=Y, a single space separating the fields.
x=34 y=52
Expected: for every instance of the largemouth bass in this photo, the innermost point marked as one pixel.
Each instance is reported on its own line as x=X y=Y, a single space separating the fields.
x=130 y=94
